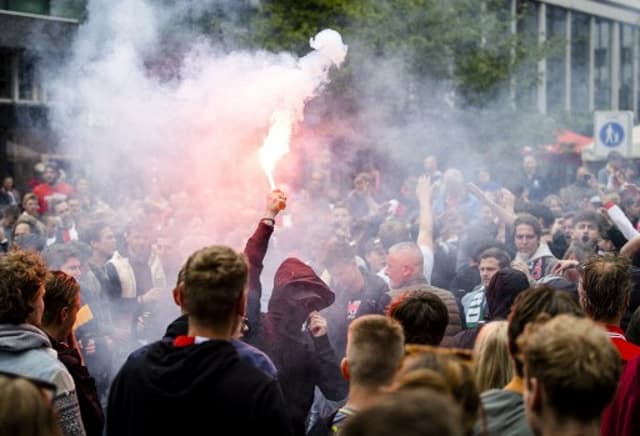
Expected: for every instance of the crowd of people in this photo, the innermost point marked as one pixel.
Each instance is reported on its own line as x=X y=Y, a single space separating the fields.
x=442 y=303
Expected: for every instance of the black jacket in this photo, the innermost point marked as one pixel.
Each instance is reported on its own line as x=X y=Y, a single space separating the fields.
x=373 y=299
x=194 y=389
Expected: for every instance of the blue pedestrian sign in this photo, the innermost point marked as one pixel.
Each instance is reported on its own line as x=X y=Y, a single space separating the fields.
x=612 y=134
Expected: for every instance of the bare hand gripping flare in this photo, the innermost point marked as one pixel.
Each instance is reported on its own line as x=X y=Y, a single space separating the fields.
x=328 y=51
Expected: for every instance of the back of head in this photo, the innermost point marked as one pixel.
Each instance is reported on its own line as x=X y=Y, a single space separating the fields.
x=392 y=232
x=457 y=374
x=415 y=413
x=605 y=287
x=30 y=413
x=423 y=315
x=215 y=278
x=529 y=305
x=375 y=350
x=541 y=212
x=475 y=241
x=574 y=363
x=338 y=251
x=580 y=251
x=91 y=231
x=492 y=366
x=60 y=291
x=55 y=255
x=502 y=291
x=21 y=275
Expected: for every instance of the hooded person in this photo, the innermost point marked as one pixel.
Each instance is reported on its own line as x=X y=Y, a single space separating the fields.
x=502 y=290
x=198 y=381
x=303 y=357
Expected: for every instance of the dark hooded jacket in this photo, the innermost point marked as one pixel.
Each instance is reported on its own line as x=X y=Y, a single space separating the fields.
x=194 y=389
x=246 y=352
x=373 y=299
x=303 y=361
x=501 y=292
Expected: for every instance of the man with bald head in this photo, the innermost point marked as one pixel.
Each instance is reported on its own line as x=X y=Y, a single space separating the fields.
x=404 y=265
x=405 y=269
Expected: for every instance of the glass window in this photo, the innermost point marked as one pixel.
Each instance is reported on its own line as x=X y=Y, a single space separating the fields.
x=29 y=6
x=579 y=62
x=602 y=70
x=555 y=74
x=68 y=8
x=637 y=102
x=6 y=82
x=626 y=67
x=28 y=79
x=527 y=73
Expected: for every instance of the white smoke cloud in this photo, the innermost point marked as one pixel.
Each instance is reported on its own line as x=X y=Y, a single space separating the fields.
x=202 y=127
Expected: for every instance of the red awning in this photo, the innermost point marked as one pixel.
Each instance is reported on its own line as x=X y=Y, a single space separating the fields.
x=569 y=141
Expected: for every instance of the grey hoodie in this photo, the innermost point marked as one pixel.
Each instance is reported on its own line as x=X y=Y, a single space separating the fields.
x=25 y=350
x=504 y=411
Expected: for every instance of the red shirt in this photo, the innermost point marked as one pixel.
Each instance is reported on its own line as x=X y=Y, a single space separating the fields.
x=43 y=191
x=620 y=418
x=627 y=350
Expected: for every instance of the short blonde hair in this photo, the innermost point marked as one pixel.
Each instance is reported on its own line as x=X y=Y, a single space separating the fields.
x=375 y=349
x=575 y=364
x=29 y=413
x=492 y=365
x=214 y=279
x=444 y=371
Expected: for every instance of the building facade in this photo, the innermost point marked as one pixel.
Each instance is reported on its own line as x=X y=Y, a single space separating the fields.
x=32 y=32
x=596 y=62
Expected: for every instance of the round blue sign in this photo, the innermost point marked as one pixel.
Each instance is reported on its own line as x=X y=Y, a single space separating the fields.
x=612 y=134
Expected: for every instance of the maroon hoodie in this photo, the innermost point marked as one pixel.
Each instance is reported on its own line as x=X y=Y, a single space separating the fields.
x=303 y=361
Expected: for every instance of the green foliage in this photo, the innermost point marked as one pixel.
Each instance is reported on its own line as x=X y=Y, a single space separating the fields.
x=466 y=42
x=453 y=61
x=286 y=25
